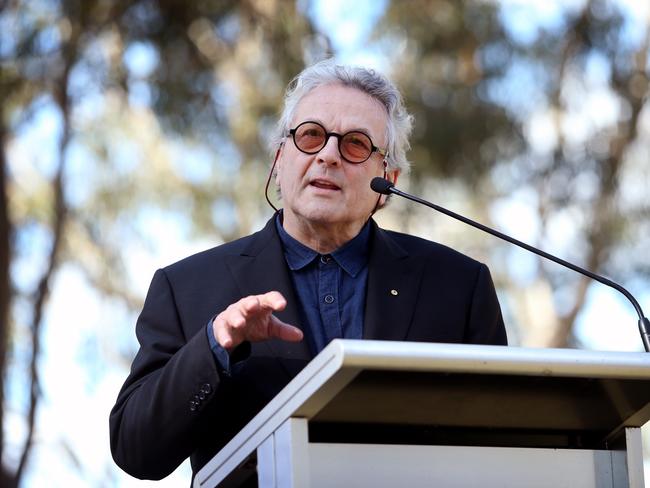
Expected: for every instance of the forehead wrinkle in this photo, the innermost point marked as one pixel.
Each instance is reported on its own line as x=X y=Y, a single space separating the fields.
x=335 y=110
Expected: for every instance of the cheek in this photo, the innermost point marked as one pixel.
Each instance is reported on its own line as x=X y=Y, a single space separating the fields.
x=288 y=180
x=363 y=196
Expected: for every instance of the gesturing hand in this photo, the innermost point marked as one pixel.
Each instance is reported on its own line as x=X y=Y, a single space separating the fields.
x=252 y=319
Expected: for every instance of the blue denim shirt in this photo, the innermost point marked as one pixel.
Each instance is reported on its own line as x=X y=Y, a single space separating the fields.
x=331 y=289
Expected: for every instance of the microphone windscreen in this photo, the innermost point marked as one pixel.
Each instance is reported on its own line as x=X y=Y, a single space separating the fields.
x=381 y=185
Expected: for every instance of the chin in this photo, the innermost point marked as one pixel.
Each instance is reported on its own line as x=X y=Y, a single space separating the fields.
x=322 y=211
x=321 y=214
x=322 y=217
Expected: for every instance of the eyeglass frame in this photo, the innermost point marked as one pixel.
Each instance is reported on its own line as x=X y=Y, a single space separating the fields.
x=339 y=137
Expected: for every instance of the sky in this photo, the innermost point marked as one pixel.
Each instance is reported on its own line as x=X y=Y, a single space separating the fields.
x=72 y=443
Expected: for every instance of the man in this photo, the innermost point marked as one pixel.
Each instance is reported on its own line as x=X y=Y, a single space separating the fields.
x=222 y=332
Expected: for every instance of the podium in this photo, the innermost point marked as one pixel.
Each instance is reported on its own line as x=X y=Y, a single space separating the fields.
x=385 y=414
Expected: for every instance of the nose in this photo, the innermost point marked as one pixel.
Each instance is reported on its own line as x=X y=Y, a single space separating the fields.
x=330 y=153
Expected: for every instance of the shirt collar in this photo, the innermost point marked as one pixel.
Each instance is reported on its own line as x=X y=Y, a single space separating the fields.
x=298 y=255
x=352 y=256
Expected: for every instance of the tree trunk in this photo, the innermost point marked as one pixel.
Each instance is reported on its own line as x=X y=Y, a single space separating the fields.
x=5 y=258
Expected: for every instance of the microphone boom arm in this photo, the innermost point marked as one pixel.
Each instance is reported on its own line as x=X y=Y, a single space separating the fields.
x=644 y=323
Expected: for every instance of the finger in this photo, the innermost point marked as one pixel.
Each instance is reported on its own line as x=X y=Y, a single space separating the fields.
x=235 y=318
x=249 y=306
x=284 y=331
x=222 y=333
x=273 y=300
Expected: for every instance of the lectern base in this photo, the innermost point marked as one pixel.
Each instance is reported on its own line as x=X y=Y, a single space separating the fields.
x=287 y=459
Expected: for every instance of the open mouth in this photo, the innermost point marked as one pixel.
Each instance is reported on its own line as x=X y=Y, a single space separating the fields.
x=324 y=184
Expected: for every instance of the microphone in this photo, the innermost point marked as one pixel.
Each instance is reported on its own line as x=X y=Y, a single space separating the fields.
x=381 y=185
x=385 y=187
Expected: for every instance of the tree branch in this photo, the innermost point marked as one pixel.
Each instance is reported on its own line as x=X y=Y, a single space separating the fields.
x=59 y=220
x=41 y=296
x=6 y=233
x=601 y=235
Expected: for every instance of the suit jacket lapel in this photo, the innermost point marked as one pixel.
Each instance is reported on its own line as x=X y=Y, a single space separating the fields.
x=391 y=296
x=393 y=284
x=260 y=268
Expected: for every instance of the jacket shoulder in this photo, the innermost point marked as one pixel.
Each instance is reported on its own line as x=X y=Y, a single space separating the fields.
x=419 y=247
x=208 y=259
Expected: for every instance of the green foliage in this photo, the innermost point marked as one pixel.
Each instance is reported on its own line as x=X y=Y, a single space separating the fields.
x=499 y=114
x=160 y=109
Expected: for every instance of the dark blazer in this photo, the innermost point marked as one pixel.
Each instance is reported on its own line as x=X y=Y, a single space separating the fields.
x=176 y=404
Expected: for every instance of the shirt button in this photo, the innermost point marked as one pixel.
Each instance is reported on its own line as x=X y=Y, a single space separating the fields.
x=206 y=388
x=325 y=260
x=329 y=299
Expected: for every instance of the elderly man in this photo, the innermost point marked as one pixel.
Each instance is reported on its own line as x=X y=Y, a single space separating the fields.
x=223 y=331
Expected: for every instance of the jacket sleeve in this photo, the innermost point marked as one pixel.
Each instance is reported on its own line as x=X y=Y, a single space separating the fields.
x=157 y=418
x=485 y=325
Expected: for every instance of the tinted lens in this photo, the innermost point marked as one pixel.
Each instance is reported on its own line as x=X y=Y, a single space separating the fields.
x=356 y=146
x=309 y=137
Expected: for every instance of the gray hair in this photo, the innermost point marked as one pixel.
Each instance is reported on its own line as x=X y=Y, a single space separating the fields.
x=327 y=72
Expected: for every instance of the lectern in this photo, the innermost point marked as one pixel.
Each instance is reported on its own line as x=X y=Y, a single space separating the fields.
x=386 y=414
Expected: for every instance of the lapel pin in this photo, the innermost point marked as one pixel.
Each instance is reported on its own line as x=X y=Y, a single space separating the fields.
x=394 y=293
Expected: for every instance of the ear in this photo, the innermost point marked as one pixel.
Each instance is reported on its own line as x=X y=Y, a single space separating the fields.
x=277 y=163
x=393 y=175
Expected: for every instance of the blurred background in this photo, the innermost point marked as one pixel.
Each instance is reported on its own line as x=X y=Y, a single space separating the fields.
x=134 y=133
